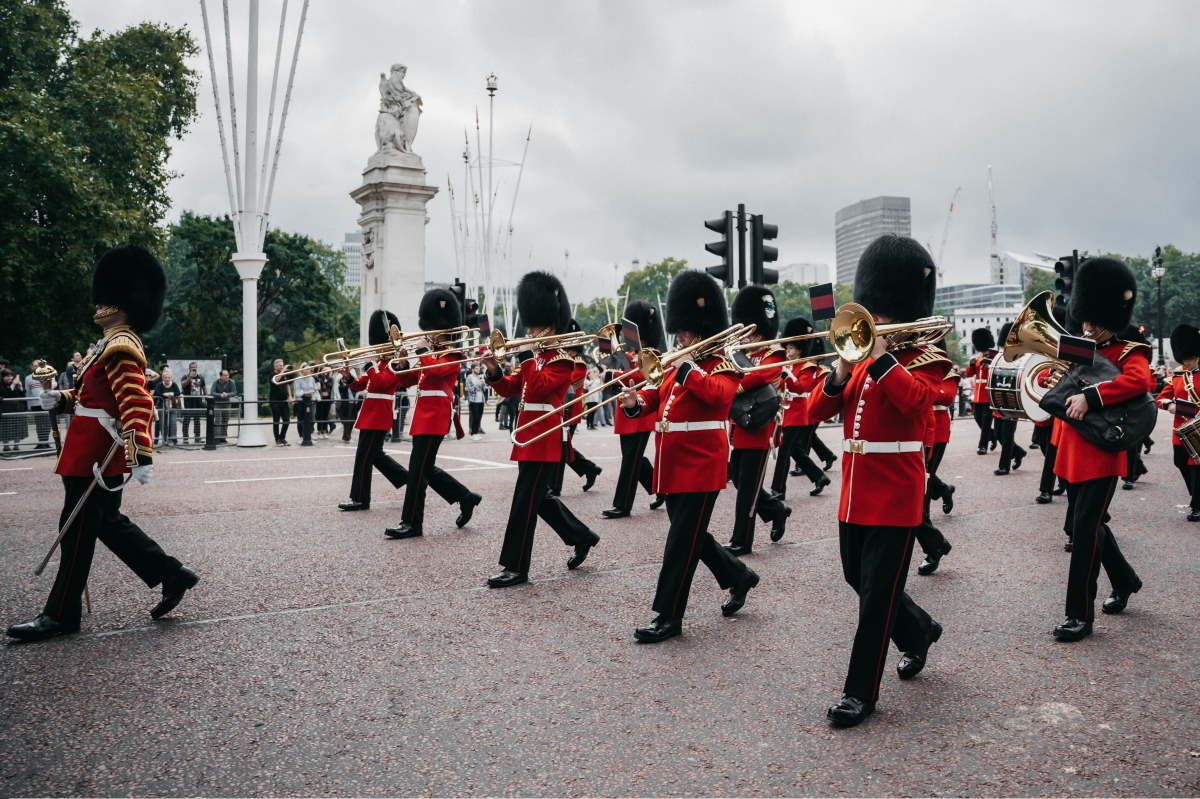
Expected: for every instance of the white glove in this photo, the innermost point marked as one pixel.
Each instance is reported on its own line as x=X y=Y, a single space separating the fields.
x=49 y=399
x=143 y=474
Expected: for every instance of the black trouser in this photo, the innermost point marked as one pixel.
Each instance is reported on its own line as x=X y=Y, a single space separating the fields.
x=819 y=449
x=191 y=420
x=531 y=500
x=983 y=418
x=689 y=542
x=475 y=415
x=1093 y=545
x=1042 y=435
x=635 y=468
x=929 y=537
x=101 y=518
x=346 y=415
x=573 y=458
x=304 y=419
x=875 y=563
x=1191 y=475
x=1010 y=450
x=423 y=473
x=281 y=417
x=1133 y=462
x=368 y=456
x=749 y=466
x=323 y=423
x=794 y=446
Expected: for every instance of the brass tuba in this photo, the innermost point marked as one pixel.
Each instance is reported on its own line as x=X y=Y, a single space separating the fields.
x=1030 y=365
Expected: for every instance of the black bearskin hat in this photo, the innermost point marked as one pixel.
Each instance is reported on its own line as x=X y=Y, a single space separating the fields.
x=896 y=279
x=755 y=305
x=131 y=279
x=377 y=329
x=800 y=327
x=439 y=310
x=649 y=322
x=981 y=339
x=542 y=301
x=1103 y=294
x=1131 y=333
x=1185 y=342
x=696 y=303
x=1003 y=337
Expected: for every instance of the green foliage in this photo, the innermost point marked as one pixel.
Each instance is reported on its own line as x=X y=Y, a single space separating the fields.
x=302 y=305
x=595 y=314
x=651 y=281
x=1037 y=281
x=85 y=130
x=1181 y=299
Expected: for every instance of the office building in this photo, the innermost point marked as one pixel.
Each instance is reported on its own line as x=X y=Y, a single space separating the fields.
x=804 y=273
x=967 y=296
x=353 y=253
x=856 y=226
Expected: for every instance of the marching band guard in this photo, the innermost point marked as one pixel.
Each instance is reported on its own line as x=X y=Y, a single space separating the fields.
x=797 y=437
x=541 y=381
x=1184 y=387
x=110 y=406
x=884 y=399
x=635 y=432
x=431 y=416
x=374 y=419
x=1046 y=434
x=572 y=457
x=752 y=448
x=1134 y=468
x=1005 y=430
x=691 y=451
x=979 y=368
x=937 y=434
x=1102 y=301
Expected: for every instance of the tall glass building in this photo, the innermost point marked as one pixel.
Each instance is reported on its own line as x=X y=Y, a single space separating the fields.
x=856 y=226
x=352 y=252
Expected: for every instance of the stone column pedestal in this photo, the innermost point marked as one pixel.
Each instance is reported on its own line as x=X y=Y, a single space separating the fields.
x=392 y=217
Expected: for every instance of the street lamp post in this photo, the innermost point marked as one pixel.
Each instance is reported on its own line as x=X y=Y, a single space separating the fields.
x=1157 y=272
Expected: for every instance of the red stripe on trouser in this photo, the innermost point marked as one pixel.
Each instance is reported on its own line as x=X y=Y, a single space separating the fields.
x=1088 y=600
x=691 y=552
x=887 y=623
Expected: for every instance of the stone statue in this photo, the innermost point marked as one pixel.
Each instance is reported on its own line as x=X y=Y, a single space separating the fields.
x=399 y=113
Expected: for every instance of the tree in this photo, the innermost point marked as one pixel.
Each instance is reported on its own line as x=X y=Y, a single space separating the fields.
x=1037 y=281
x=651 y=281
x=85 y=131
x=1181 y=301
x=303 y=305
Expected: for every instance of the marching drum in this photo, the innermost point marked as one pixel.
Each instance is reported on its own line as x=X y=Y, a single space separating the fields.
x=1015 y=387
x=1189 y=436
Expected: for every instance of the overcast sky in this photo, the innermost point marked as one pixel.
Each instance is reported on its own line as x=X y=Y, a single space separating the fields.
x=649 y=117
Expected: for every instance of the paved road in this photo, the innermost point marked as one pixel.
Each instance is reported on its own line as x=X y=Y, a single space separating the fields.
x=318 y=658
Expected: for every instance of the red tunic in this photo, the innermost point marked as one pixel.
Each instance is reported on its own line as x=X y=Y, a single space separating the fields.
x=799 y=380
x=979 y=368
x=114 y=385
x=691 y=460
x=760 y=438
x=884 y=404
x=938 y=427
x=542 y=383
x=434 y=407
x=1079 y=459
x=623 y=424
x=378 y=406
x=1183 y=386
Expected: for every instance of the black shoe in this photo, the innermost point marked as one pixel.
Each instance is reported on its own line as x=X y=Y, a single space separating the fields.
x=911 y=663
x=820 y=486
x=614 y=513
x=552 y=493
x=1000 y=472
x=173 y=589
x=1060 y=490
x=777 y=496
x=1146 y=445
x=1017 y=459
x=796 y=472
x=466 y=509
x=1127 y=485
x=948 y=499
x=1072 y=630
x=506 y=578
x=737 y=550
x=992 y=445
x=829 y=463
x=981 y=451
x=1044 y=498
x=581 y=553
x=306 y=443
x=403 y=530
x=658 y=630
x=1194 y=516
x=849 y=711
x=1119 y=599
x=737 y=595
x=931 y=562
x=658 y=502
x=590 y=480
x=41 y=628
x=1068 y=547
x=779 y=522
x=352 y=505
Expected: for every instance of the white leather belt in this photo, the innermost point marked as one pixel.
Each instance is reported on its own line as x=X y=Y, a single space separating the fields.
x=859 y=447
x=434 y=393
x=689 y=427
x=388 y=397
x=538 y=406
x=102 y=416
x=942 y=408
x=789 y=395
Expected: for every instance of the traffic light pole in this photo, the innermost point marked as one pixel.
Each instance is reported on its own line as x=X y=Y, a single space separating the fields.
x=741 y=231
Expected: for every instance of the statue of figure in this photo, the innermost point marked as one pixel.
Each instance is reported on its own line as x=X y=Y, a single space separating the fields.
x=399 y=113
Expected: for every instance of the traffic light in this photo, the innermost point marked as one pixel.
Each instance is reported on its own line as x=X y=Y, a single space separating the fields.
x=1065 y=268
x=761 y=253
x=723 y=249
x=459 y=290
x=471 y=313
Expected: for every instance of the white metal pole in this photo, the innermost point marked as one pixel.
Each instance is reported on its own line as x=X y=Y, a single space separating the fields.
x=283 y=114
x=237 y=160
x=262 y=180
x=212 y=69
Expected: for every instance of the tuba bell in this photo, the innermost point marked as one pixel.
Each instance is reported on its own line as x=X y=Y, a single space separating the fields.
x=1029 y=365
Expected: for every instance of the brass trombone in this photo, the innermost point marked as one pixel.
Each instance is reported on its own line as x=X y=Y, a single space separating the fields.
x=653 y=367
x=344 y=357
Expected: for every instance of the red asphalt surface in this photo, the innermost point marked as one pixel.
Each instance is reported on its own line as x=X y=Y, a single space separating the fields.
x=317 y=657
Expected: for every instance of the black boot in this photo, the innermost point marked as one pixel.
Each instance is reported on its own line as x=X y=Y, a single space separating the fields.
x=948 y=499
x=737 y=594
x=506 y=578
x=820 y=486
x=1044 y=498
x=173 y=589
x=352 y=505
x=1119 y=599
x=466 y=509
x=581 y=552
x=849 y=711
x=932 y=561
x=659 y=501
x=590 y=480
x=41 y=628
x=1072 y=630
x=403 y=530
x=911 y=663
x=658 y=630
x=614 y=513
x=779 y=522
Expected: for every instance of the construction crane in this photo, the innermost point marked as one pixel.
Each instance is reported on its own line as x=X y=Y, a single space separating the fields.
x=946 y=234
x=997 y=264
